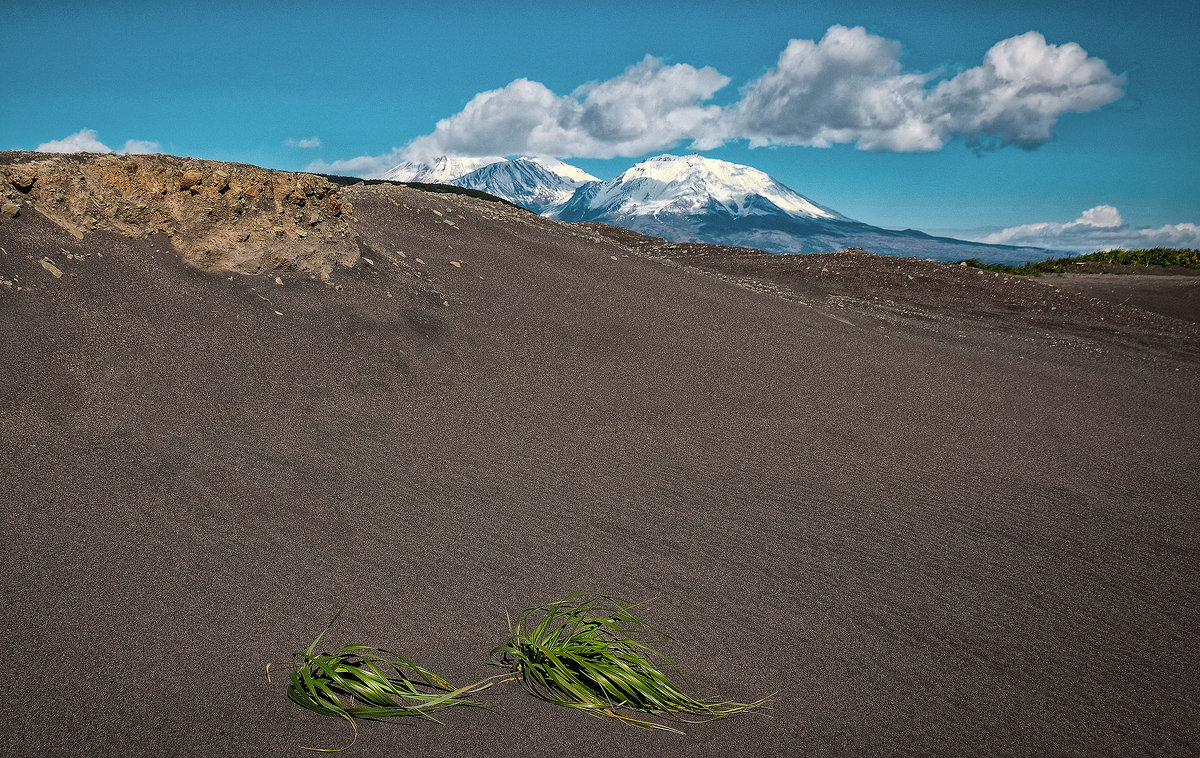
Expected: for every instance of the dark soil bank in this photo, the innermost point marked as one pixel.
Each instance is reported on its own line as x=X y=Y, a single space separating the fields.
x=931 y=517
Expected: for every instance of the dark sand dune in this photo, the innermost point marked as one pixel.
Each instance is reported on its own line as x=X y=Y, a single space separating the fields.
x=1175 y=295
x=949 y=524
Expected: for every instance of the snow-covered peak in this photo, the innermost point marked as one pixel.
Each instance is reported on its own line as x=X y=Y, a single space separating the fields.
x=442 y=170
x=565 y=170
x=693 y=184
x=537 y=184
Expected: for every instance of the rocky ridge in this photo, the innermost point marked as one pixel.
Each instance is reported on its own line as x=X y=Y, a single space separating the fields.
x=219 y=216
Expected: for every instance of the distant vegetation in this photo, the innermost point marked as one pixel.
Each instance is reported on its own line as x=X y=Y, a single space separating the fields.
x=1155 y=256
x=448 y=189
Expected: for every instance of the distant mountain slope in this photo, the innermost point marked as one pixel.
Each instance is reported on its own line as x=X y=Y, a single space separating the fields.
x=537 y=184
x=443 y=170
x=694 y=186
x=696 y=199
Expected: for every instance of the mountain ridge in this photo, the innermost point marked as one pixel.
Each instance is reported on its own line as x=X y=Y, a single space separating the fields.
x=693 y=198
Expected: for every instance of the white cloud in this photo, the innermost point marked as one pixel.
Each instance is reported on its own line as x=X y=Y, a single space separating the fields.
x=1098 y=228
x=86 y=141
x=83 y=141
x=140 y=147
x=308 y=143
x=1023 y=87
x=647 y=107
x=366 y=166
x=849 y=87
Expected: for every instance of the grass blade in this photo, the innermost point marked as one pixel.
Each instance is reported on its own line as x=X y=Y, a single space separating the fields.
x=583 y=652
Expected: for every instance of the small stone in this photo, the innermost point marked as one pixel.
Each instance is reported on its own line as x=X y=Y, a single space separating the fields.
x=46 y=264
x=368 y=261
x=456 y=264
x=278 y=231
x=12 y=210
x=279 y=281
x=301 y=233
x=190 y=179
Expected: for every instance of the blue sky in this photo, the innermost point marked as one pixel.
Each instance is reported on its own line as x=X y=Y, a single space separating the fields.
x=264 y=83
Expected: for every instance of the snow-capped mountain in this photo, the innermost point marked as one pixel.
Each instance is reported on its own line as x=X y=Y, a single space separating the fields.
x=441 y=170
x=692 y=185
x=696 y=199
x=538 y=184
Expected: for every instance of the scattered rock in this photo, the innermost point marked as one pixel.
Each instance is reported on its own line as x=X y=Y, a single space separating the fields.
x=46 y=264
x=279 y=281
x=23 y=182
x=456 y=264
x=190 y=179
x=12 y=210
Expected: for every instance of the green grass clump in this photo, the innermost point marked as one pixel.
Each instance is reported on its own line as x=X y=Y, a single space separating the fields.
x=579 y=652
x=363 y=682
x=1155 y=256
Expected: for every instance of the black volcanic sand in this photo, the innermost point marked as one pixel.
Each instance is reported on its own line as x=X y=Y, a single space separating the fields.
x=1177 y=295
x=952 y=525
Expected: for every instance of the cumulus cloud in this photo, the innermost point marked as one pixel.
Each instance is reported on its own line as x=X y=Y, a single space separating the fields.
x=1099 y=228
x=849 y=87
x=140 y=147
x=86 y=141
x=308 y=143
x=83 y=141
x=366 y=166
x=648 y=106
x=1023 y=87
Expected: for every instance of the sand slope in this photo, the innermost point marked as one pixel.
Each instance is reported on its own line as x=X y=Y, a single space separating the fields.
x=930 y=529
